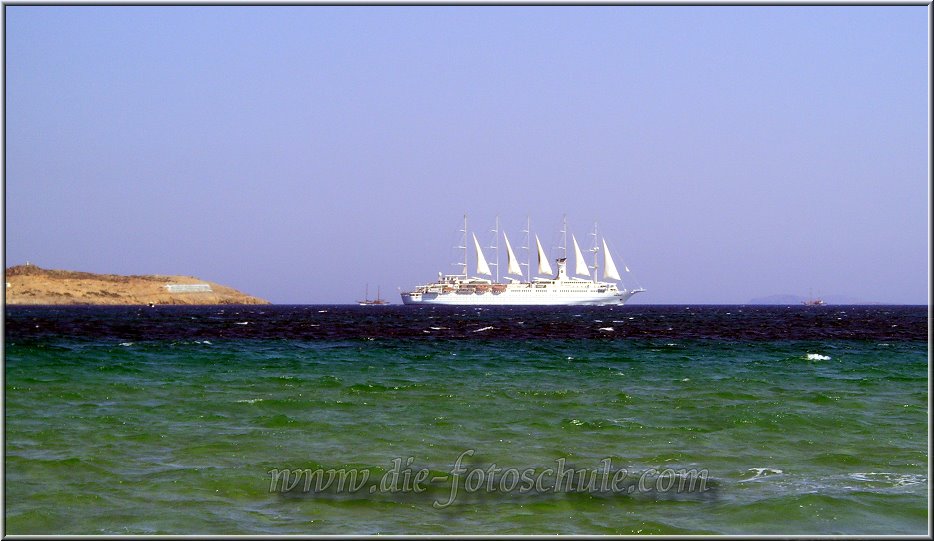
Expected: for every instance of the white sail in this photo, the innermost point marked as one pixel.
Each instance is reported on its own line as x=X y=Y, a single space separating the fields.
x=543 y=266
x=579 y=262
x=482 y=267
x=511 y=262
x=609 y=267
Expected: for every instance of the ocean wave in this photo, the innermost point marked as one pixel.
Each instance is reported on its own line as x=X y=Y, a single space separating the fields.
x=762 y=473
x=889 y=479
x=777 y=481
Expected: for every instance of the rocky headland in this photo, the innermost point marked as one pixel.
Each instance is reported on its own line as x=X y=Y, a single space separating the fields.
x=30 y=284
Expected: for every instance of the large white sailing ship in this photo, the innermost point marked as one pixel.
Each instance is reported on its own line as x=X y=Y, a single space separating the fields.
x=558 y=289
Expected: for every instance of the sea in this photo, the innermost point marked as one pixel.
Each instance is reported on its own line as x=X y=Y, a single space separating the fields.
x=639 y=419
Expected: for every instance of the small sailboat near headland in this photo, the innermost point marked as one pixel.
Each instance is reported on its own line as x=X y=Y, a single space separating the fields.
x=366 y=298
x=811 y=301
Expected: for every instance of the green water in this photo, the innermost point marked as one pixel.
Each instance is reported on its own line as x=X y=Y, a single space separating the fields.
x=168 y=437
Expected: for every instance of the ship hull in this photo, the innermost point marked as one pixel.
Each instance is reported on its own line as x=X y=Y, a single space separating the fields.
x=518 y=298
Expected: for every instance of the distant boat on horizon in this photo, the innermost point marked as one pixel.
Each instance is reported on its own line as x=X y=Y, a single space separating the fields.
x=366 y=298
x=811 y=301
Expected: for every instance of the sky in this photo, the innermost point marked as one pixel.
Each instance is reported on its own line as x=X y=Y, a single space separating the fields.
x=301 y=153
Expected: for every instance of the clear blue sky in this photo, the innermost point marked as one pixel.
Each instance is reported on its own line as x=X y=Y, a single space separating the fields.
x=298 y=153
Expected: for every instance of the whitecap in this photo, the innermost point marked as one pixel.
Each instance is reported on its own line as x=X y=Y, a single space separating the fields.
x=242 y=322
x=817 y=357
x=608 y=329
x=250 y=401
x=482 y=329
x=125 y=344
x=894 y=479
x=762 y=473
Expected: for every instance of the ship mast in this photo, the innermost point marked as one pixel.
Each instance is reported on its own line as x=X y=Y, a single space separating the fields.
x=595 y=249
x=464 y=246
x=495 y=246
x=564 y=233
x=528 y=246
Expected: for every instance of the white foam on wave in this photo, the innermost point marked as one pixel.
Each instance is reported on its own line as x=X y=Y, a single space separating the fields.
x=762 y=473
x=817 y=357
x=894 y=479
x=482 y=329
x=607 y=329
x=250 y=401
x=242 y=322
x=126 y=344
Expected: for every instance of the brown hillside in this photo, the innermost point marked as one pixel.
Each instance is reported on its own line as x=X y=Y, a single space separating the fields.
x=29 y=284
